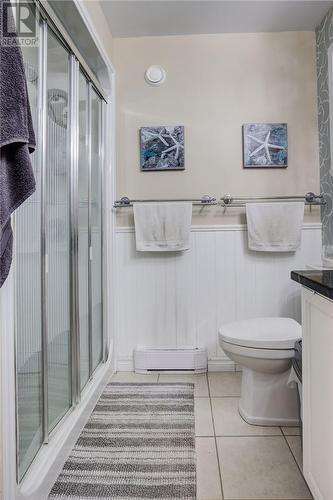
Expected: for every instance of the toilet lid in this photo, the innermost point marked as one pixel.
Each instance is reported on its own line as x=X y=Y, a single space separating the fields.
x=262 y=333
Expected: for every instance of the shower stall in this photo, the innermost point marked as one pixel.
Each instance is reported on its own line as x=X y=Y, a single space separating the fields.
x=59 y=339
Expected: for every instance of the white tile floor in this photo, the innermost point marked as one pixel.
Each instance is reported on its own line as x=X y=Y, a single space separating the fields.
x=236 y=461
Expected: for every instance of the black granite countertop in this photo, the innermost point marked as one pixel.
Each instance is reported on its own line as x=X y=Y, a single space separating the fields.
x=318 y=281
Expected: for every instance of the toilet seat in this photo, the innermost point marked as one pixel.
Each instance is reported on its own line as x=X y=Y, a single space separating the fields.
x=262 y=333
x=255 y=352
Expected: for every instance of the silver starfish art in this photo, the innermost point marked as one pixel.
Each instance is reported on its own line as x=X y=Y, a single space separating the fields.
x=160 y=135
x=265 y=144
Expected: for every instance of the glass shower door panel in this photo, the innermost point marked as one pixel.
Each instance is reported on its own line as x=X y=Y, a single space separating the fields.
x=28 y=297
x=57 y=233
x=83 y=231
x=96 y=231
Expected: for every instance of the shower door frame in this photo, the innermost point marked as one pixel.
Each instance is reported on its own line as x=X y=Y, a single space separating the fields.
x=42 y=468
x=76 y=65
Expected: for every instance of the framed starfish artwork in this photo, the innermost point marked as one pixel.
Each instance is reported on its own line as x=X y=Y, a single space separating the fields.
x=162 y=148
x=265 y=145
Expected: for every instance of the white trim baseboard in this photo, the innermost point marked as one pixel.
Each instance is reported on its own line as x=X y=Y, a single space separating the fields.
x=221 y=364
x=124 y=365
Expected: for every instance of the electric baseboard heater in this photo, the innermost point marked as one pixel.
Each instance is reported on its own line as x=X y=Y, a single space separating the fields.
x=166 y=359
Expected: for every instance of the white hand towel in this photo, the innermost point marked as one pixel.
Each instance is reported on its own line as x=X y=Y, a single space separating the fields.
x=274 y=227
x=162 y=227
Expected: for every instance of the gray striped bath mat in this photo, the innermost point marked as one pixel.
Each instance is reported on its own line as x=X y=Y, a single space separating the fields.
x=139 y=442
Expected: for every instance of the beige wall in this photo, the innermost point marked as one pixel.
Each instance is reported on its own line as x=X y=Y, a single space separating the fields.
x=214 y=84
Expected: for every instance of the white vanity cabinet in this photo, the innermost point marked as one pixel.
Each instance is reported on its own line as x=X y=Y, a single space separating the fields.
x=317 y=360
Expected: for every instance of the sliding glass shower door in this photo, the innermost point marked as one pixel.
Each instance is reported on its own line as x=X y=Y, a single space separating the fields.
x=96 y=230
x=29 y=374
x=90 y=230
x=58 y=252
x=57 y=233
x=83 y=231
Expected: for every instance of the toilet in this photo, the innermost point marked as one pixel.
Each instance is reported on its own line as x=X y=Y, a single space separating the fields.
x=264 y=348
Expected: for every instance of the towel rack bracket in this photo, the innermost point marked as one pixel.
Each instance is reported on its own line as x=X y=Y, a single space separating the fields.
x=125 y=201
x=227 y=199
x=207 y=199
x=309 y=197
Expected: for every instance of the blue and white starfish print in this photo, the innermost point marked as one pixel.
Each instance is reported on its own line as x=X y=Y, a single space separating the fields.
x=265 y=145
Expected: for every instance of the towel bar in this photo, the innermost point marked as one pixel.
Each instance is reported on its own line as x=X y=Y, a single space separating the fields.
x=228 y=201
x=309 y=199
x=205 y=200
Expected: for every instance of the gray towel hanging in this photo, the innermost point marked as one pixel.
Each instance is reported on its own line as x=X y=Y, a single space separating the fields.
x=17 y=141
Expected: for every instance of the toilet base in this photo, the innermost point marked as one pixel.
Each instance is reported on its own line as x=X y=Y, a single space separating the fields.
x=266 y=399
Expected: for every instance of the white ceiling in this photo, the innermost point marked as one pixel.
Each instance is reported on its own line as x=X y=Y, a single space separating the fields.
x=129 y=18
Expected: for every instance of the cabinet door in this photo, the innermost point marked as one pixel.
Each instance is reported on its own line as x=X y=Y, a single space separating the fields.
x=318 y=394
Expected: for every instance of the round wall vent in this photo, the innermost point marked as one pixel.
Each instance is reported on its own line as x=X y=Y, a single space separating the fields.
x=155 y=75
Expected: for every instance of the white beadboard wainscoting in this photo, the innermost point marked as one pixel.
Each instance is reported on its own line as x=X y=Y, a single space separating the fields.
x=181 y=299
